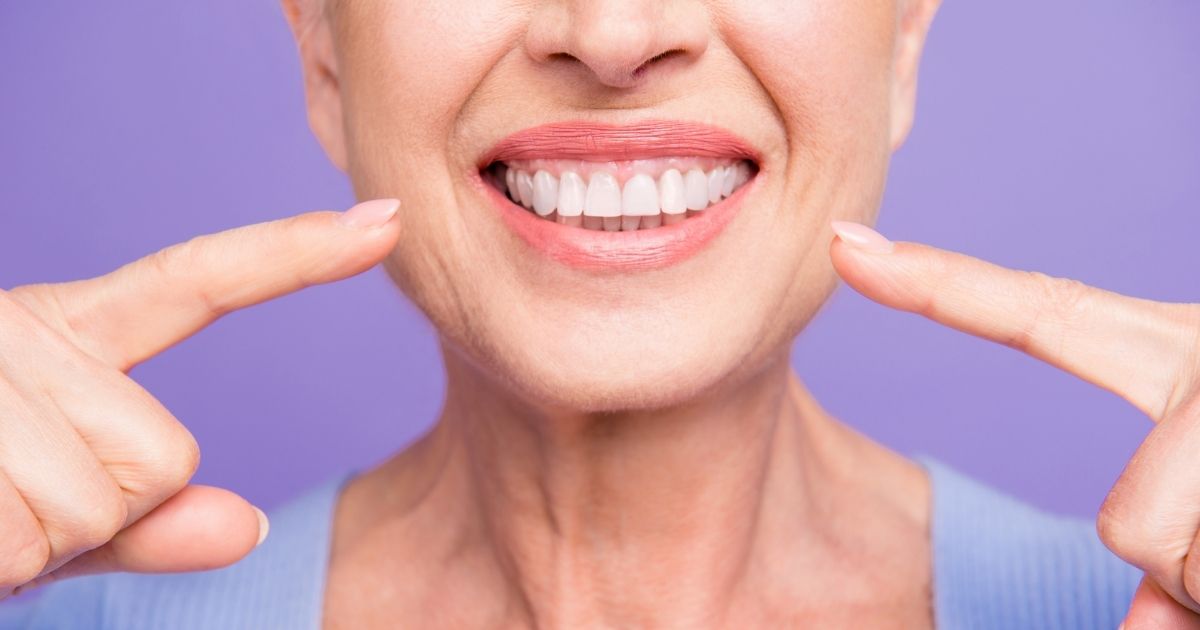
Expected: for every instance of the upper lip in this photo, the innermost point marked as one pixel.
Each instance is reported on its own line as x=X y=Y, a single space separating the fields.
x=604 y=142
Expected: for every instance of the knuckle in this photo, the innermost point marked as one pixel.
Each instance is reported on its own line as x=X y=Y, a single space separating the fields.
x=1058 y=304
x=99 y=522
x=165 y=466
x=1143 y=541
x=1061 y=298
x=24 y=559
x=1123 y=535
x=183 y=260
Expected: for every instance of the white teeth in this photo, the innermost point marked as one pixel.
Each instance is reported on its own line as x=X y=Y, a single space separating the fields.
x=571 y=192
x=696 y=189
x=525 y=189
x=716 y=179
x=640 y=197
x=545 y=193
x=510 y=179
x=728 y=183
x=641 y=203
x=671 y=195
x=603 y=196
x=743 y=175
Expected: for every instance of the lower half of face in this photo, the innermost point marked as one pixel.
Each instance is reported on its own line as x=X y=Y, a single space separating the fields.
x=603 y=245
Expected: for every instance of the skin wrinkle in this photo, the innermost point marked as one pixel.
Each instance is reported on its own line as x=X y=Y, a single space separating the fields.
x=621 y=449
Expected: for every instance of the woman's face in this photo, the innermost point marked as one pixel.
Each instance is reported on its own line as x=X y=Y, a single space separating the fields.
x=430 y=102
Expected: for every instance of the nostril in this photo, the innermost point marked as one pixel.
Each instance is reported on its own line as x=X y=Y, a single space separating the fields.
x=562 y=56
x=640 y=70
x=617 y=76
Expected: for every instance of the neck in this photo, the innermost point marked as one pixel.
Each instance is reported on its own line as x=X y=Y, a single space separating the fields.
x=631 y=519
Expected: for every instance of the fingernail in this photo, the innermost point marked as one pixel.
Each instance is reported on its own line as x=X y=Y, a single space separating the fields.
x=862 y=237
x=264 y=526
x=370 y=214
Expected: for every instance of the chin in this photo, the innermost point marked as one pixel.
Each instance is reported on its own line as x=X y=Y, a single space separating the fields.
x=622 y=367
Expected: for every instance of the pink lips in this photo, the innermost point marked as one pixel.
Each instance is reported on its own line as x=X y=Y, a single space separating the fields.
x=618 y=251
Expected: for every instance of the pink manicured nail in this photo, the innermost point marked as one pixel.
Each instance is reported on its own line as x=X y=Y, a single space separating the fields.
x=264 y=525
x=370 y=214
x=862 y=237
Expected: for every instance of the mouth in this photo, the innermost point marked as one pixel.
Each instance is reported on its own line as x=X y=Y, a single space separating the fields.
x=619 y=197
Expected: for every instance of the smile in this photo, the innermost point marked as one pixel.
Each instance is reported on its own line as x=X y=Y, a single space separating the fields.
x=626 y=195
x=619 y=197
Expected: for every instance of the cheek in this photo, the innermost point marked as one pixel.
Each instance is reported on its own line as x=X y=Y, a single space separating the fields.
x=826 y=65
x=407 y=67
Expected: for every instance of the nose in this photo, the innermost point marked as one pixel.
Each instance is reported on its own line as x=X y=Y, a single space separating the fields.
x=618 y=43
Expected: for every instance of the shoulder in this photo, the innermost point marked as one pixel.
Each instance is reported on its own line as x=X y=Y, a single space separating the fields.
x=1000 y=563
x=278 y=585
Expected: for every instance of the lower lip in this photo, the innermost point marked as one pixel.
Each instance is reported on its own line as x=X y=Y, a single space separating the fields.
x=617 y=251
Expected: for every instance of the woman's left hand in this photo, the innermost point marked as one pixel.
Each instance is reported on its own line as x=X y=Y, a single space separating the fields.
x=1144 y=351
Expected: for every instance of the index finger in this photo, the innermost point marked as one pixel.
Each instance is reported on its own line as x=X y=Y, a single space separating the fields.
x=144 y=307
x=1133 y=347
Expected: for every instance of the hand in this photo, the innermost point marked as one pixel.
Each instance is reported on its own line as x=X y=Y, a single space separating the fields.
x=93 y=469
x=1146 y=352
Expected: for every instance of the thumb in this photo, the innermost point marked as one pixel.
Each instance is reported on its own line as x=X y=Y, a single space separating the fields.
x=1153 y=609
x=199 y=528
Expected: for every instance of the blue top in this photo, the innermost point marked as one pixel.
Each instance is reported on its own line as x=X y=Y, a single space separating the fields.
x=997 y=564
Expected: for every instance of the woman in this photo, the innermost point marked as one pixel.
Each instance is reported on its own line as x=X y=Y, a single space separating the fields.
x=616 y=256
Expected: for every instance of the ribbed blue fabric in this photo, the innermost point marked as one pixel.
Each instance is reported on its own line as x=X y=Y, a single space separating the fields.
x=998 y=565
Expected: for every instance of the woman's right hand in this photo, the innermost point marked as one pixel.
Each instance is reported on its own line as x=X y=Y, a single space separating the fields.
x=93 y=470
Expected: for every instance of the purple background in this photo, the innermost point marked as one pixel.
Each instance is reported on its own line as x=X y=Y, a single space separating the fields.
x=1059 y=136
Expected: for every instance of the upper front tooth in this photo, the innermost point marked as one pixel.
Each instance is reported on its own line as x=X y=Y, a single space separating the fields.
x=696 y=185
x=640 y=197
x=671 y=192
x=716 y=179
x=545 y=193
x=603 y=196
x=571 y=192
x=525 y=189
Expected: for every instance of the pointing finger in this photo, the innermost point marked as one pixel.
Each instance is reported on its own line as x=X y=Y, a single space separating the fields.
x=1133 y=347
x=137 y=311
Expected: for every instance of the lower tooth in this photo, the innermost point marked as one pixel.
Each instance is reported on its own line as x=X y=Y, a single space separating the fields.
x=629 y=224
